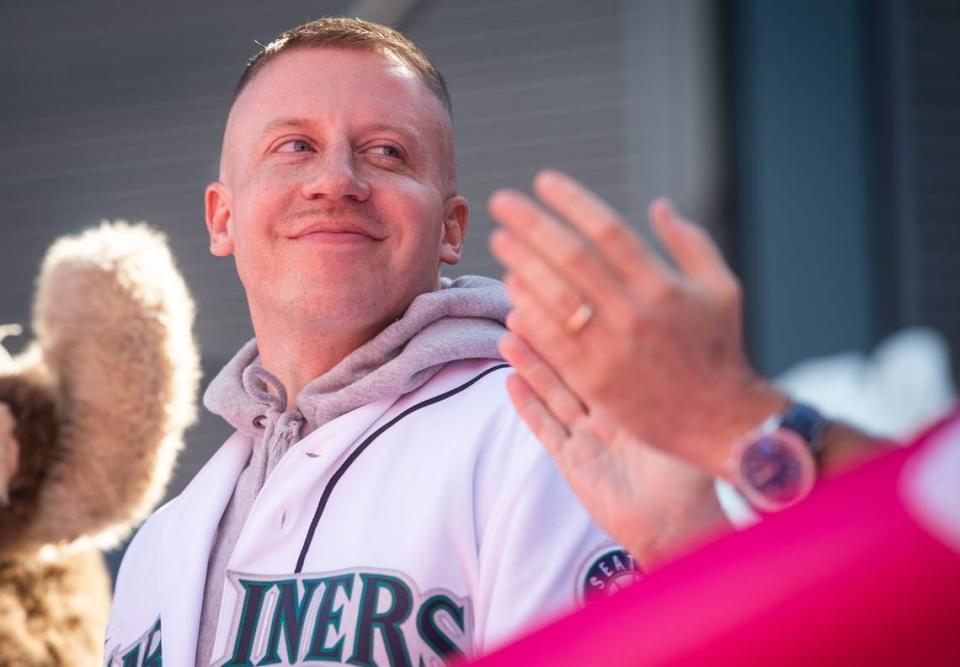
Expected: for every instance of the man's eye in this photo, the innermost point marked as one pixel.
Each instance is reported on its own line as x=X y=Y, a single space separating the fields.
x=387 y=150
x=295 y=146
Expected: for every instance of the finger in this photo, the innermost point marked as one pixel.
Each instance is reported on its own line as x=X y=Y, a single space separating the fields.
x=553 y=392
x=564 y=250
x=536 y=325
x=553 y=343
x=534 y=413
x=525 y=266
x=520 y=291
x=542 y=379
x=689 y=244
x=599 y=222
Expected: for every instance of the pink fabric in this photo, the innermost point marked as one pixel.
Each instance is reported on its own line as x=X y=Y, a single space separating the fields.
x=845 y=578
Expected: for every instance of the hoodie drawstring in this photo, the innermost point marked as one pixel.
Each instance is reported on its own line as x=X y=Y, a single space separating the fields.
x=281 y=427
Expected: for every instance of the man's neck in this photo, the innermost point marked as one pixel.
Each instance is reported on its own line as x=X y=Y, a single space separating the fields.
x=298 y=355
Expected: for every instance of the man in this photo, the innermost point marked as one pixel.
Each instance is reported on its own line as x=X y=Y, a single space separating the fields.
x=381 y=502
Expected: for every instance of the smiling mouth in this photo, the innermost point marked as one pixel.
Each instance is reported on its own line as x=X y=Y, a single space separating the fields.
x=330 y=227
x=345 y=237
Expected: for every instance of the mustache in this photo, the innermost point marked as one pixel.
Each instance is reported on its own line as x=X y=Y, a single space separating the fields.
x=338 y=214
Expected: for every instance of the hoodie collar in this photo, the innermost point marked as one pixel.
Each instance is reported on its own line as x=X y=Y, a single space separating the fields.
x=462 y=320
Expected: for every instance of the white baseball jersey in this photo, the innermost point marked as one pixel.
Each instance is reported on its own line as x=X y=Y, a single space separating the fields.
x=405 y=532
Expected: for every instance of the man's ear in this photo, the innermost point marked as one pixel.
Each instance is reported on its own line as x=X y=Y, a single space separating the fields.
x=219 y=217
x=456 y=212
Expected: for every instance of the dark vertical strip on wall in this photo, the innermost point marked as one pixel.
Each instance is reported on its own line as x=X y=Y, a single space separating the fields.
x=729 y=186
x=925 y=54
x=883 y=85
x=724 y=23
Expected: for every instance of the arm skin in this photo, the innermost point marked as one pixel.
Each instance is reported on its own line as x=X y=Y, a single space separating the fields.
x=662 y=359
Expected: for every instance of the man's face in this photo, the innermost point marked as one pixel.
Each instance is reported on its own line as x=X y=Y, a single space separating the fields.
x=336 y=193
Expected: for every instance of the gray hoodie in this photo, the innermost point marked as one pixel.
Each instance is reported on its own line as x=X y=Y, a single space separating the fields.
x=462 y=320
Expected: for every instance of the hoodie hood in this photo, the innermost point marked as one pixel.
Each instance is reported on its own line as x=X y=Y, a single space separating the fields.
x=462 y=320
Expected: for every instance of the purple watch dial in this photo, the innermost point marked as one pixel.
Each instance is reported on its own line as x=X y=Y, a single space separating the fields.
x=777 y=468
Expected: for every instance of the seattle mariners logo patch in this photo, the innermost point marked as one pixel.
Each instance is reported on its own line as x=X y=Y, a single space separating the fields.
x=605 y=572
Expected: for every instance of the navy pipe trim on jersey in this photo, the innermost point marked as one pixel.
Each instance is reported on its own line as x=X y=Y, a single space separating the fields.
x=366 y=443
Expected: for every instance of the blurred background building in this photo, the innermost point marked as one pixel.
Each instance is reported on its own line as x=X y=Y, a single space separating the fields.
x=819 y=140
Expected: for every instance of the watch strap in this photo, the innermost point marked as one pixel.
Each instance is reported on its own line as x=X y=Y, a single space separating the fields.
x=807 y=422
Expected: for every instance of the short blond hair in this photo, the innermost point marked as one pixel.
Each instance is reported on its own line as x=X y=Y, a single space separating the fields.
x=347 y=33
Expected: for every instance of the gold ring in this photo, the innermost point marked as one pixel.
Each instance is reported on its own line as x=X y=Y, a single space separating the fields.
x=580 y=318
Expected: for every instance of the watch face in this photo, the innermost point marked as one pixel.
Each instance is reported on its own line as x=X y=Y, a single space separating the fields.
x=776 y=470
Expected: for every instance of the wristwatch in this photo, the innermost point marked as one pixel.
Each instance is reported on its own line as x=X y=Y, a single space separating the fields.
x=775 y=466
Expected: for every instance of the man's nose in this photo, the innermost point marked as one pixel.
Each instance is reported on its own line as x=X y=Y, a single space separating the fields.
x=334 y=174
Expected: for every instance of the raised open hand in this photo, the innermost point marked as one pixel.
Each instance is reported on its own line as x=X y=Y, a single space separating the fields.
x=658 y=348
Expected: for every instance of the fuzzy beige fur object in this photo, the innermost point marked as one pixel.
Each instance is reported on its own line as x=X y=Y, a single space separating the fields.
x=9 y=452
x=92 y=416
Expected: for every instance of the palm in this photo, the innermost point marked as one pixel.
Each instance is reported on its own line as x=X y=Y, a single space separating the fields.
x=633 y=491
x=651 y=502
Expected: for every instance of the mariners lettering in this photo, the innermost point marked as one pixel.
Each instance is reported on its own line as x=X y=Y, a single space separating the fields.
x=145 y=652
x=362 y=618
